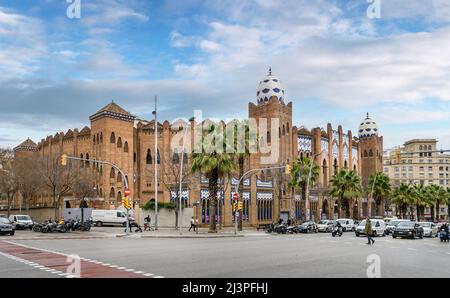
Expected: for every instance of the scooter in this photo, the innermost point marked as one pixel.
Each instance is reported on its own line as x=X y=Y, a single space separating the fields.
x=444 y=236
x=336 y=231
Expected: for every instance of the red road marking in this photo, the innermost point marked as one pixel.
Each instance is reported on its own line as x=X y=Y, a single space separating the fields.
x=58 y=262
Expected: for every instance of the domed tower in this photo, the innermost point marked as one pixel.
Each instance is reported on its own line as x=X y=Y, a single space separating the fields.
x=370 y=149
x=27 y=149
x=270 y=107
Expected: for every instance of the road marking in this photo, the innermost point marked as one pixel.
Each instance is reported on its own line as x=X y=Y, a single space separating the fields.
x=413 y=249
x=54 y=271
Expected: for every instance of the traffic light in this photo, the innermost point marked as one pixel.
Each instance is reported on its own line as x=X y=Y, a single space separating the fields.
x=234 y=205
x=64 y=159
x=287 y=170
x=239 y=206
x=125 y=202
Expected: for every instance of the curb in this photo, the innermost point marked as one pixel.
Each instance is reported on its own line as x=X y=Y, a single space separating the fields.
x=179 y=236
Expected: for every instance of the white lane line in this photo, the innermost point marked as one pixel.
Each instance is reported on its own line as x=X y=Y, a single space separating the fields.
x=138 y=272
x=49 y=270
x=159 y=276
x=148 y=274
x=413 y=249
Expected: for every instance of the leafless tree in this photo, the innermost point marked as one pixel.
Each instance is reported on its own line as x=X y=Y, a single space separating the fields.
x=83 y=186
x=171 y=178
x=8 y=185
x=28 y=179
x=58 y=180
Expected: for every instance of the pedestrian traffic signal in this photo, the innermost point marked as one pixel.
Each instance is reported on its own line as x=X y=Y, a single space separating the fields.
x=288 y=169
x=64 y=159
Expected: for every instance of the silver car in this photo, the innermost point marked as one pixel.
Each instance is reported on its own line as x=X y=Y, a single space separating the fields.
x=429 y=229
x=325 y=226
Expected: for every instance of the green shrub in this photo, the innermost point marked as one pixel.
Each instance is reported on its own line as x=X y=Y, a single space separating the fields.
x=150 y=205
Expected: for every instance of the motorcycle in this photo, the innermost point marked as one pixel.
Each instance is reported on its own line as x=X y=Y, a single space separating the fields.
x=336 y=231
x=37 y=227
x=444 y=236
x=281 y=229
x=54 y=227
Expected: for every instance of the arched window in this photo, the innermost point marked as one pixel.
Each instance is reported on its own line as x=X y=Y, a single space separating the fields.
x=101 y=192
x=112 y=193
x=175 y=157
x=87 y=160
x=370 y=153
x=279 y=132
x=112 y=174
x=125 y=147
x=119 y=197
x=82 y=162
x=345 y=165
x=134 y=157
x=93 y=139
x=324 y=173
x=268 y=137
x=284 y=130
x=119 y=142
x=335 y=167
x=354 y=168
x=420 y=147
x=158 y=157
x=287 y=127
x=429 y=147
x=119 y=177
x=98 y=139
x=301 y=155
x=365 y=153
x=101 y=137
x=149 y=157
x=112 y=140
x=101 y=170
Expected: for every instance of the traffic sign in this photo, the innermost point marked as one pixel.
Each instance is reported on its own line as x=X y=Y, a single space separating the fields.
x=235 y=196
x=127 y=192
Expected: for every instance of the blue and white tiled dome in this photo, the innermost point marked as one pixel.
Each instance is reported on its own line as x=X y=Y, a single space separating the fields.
x=368 y=128
x=268 y=87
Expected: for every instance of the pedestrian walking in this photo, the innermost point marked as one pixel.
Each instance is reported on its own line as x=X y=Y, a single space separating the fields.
x=192 y=224
x=368 y=231
x=147 y=221
x=130 y=223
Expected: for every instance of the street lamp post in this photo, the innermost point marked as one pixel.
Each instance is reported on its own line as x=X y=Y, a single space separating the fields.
x=181 y=179
x=156 y=163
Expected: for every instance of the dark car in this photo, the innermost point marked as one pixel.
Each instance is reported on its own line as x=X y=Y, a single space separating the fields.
x=6 y=227
x=308 y=227
x=408 y=229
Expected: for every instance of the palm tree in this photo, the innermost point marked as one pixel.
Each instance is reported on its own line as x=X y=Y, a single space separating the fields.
x=421 y=199
x=301 y=170
x=346 y=186
x=448 y=202
x=401 y=197
x=215 y=165
x=380 y=189
x=438 y=195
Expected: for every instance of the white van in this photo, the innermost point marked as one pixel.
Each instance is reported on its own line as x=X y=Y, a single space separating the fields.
x=378 y=228
x=348 y=225
x=22 y=222
x=109 y=217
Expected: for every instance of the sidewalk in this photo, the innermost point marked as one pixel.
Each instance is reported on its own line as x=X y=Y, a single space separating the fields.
x=202 y=233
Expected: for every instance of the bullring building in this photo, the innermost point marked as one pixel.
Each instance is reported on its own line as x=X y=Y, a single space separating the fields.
x=119 y=137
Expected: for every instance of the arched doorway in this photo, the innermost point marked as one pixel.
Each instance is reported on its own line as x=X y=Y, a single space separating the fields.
x=325 y=209
x=67 y=204
x=346 y=165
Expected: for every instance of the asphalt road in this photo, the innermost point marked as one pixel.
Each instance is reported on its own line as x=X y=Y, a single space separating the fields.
x=265 y=256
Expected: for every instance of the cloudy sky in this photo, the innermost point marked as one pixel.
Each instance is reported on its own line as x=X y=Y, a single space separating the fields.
x=335 y=63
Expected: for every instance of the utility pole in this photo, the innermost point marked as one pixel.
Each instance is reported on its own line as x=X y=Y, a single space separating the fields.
x=156 y=163
x=181 y=180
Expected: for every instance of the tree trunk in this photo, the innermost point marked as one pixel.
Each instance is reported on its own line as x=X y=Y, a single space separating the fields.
x=437 y=210
x=350 y=204
x=418 y=212
x=55 y=205
x=213 y=201
x=432 y=213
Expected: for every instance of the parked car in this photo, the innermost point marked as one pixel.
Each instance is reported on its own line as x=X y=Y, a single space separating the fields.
x=3 y=215
x=325 y=226
x=429 y=229
x=348 y=225
x=378 y=228
x=6 y=227
x=408 y=229
x=109 y=217
x=21 y=222
x=308 y=227
x=391 y=225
